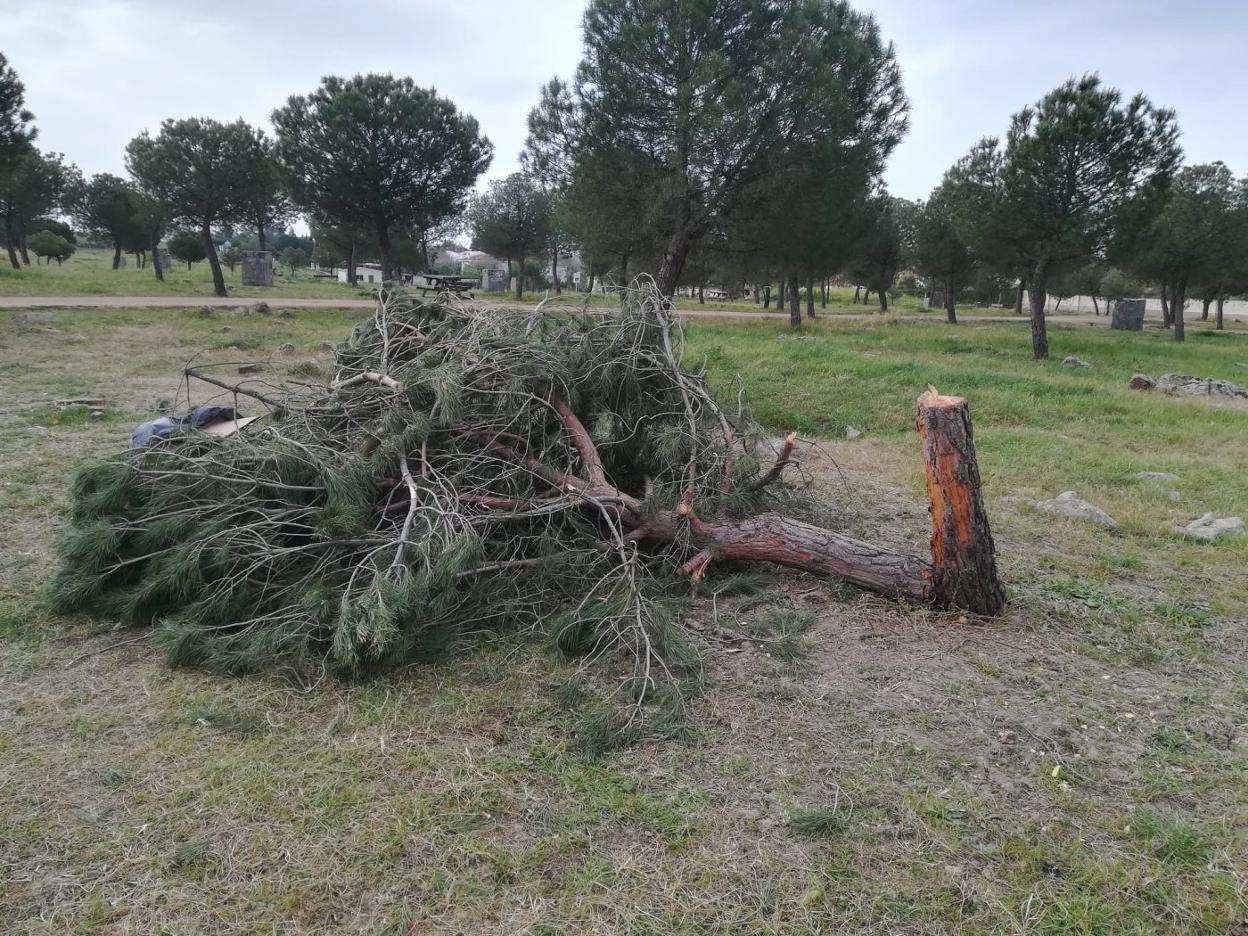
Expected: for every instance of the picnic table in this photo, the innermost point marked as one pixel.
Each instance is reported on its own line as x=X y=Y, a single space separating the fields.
x=438 y=282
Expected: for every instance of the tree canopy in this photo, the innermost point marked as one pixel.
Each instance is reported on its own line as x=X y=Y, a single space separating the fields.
x=105 y=207
x=1185 y=236
x=511 y=220
x=379 y=153
x=1051 y=194
x=706 y=102
x=186 y=247
x=200 y=168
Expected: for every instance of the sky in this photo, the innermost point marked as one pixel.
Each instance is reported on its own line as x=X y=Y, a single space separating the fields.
x=97 y=72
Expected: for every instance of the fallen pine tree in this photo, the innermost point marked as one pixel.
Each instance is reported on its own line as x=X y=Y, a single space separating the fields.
x=468 y=468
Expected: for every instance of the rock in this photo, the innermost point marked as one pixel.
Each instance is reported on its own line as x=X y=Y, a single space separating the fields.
x=1072 y=361
x=34 y=318
x=1141 y=382
x=326 y=347
x=1164 y=477
x=852 y=433
x=1183 y=385
x=1210 y=528
x=285 y=348
x=1070 y=504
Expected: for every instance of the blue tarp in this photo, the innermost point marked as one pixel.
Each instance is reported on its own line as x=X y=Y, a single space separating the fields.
x=166 y=426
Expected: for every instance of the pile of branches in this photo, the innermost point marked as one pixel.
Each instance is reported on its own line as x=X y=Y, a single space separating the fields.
x=465 y=469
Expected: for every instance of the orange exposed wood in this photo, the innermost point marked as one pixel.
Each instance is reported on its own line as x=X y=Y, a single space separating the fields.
x=963 y=554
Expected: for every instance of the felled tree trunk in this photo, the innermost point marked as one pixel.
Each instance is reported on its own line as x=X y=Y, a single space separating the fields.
x=961 y=574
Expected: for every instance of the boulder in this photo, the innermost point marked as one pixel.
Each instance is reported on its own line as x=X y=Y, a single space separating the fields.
x=1070 y=504
x=1210 y=528
x=1141 y=382
x=1184 y=385
x=1164 y=477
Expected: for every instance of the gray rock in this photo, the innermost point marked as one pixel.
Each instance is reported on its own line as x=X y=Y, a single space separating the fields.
x=1070 y=504
x=1210 y=528
x=852 y=433
x=1072 y=361
x=1164 y=477
x=1184 y=385
x=1141 y=382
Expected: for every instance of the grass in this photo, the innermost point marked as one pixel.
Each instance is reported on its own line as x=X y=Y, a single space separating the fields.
x=89 y=273
x=1078 y=767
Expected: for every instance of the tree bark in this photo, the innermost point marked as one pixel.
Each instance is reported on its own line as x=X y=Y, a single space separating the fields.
x=767 y=296
x=520 y=276
x=1206 y=302
x=116 y=254
x=701 y=300
x=857 y=291
x=8 y=243
x=784 y=541
x=554 y=270
x=351 y=277
x=1039 y=331
x=155 y=247
x=1096 y=308
x=1221 y=301
x=1178 y=299
x=810 y=296
x=674 y=257
x=387 y=259
x=882 y=295
x=214 y=262
x=951 y=303
x=1166 y=317
x=260 y=236
x=963 y=554
x=21 y=244
x=795 y=302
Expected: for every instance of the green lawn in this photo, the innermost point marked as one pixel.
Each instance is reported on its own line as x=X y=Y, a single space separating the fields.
x=90 y=273
x=1077 y=768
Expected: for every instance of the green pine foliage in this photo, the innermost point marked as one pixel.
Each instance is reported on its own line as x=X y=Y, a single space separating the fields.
x=349 y=532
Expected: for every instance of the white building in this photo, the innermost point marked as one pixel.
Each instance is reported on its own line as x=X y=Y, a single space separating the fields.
x=364 y=273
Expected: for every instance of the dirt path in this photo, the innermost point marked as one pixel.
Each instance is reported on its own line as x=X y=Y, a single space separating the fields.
x=168 y=302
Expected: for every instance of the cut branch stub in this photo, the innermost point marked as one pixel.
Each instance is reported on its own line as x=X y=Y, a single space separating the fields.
x=964 y=561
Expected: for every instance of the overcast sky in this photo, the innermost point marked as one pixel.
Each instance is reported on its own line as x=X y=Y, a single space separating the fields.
x=99 y=71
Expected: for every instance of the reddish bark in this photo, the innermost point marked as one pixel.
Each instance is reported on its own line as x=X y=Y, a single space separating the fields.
x=963 y=555
x=962 y=573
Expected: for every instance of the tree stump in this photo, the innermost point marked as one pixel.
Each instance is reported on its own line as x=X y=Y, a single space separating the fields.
x=964 y=566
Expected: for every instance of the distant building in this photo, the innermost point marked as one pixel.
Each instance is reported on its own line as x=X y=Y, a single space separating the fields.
x=364 y=273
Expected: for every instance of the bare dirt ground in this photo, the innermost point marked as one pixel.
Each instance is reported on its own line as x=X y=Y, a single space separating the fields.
x=1079 y=766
